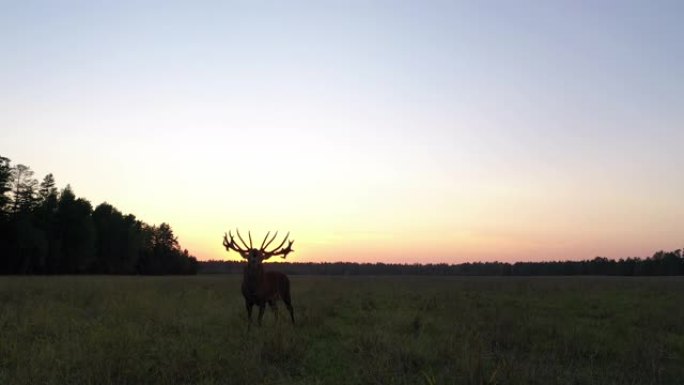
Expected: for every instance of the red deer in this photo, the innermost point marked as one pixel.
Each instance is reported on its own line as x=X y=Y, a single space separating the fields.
x=260 y=287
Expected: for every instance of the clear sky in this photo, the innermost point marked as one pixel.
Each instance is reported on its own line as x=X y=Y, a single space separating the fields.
x=419 y=131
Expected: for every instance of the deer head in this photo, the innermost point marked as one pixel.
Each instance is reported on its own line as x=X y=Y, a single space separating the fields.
x=253 y=255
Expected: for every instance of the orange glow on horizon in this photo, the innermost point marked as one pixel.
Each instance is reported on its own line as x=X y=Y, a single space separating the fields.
x=464 y=249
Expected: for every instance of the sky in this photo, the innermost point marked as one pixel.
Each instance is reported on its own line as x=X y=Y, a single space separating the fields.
x=403 y=131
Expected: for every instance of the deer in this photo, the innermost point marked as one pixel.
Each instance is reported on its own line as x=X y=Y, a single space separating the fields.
x=260 y=287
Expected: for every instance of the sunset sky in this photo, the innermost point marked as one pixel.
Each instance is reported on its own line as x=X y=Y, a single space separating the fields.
x=419 y=131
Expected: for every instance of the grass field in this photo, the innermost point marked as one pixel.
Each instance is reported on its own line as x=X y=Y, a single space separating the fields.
x=350 y=330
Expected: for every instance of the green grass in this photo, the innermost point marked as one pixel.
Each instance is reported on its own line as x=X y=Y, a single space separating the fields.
x=359 y=330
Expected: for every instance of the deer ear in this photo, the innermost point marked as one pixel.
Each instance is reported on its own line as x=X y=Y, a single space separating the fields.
x=244 y=255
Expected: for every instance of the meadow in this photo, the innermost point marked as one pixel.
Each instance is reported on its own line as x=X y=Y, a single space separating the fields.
x=350 y=330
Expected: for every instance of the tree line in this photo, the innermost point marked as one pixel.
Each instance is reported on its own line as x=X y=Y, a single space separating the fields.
x=44 y=230
x=661 y=263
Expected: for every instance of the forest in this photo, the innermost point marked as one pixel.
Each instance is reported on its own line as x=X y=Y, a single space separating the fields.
x=44 y=230
x=661 y=263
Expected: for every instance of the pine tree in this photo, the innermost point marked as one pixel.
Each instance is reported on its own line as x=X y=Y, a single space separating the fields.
x=5 y=183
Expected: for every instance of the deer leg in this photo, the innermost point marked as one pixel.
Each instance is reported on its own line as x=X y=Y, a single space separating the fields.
x=274 y=307
x=288 y=304
x=249 y=305
x=291 y=310
x=261 y=312
x=285 y=295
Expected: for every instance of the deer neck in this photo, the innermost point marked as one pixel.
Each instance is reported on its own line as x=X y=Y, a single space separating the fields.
x=253 y=276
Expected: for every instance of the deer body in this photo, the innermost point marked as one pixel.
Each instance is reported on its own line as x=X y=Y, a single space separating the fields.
x=266 y=287
x=261 y=287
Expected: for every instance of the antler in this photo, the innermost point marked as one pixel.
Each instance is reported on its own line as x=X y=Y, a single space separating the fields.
x=280 y=250
x=232 y=245
x=264 y=241
x=242 y=240
x=263 y=247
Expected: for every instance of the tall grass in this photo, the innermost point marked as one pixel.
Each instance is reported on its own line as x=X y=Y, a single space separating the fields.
x=357 y=330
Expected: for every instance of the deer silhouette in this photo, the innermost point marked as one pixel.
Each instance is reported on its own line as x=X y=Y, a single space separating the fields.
x=260 y=287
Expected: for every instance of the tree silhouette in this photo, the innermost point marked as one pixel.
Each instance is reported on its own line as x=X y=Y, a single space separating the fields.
x=23 y=186
x=5 y=175
x=45 y=231
x=661 y=263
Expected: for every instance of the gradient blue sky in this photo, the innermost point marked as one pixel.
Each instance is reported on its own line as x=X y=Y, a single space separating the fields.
x=397 y=131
